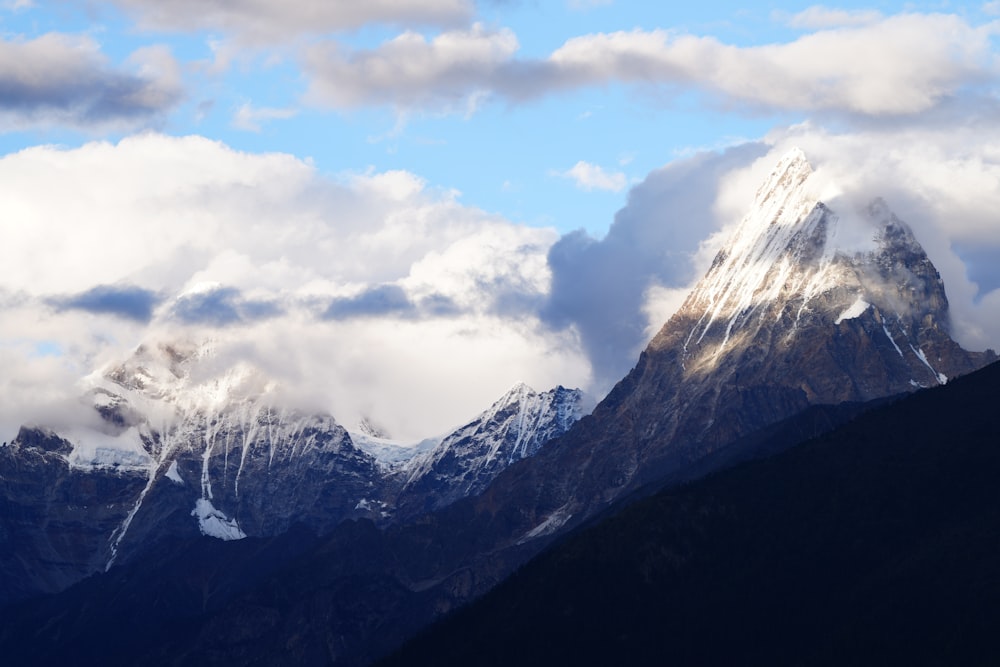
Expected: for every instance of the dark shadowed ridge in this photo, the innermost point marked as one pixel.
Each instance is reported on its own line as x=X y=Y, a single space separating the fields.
x=874 y=544
x=288 y=599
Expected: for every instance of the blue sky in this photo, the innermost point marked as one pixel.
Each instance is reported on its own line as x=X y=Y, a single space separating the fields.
x=506 y=157
x=452 y=171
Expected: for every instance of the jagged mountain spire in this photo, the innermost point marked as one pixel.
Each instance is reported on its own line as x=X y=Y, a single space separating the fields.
x=786 y=274
x=803 y=305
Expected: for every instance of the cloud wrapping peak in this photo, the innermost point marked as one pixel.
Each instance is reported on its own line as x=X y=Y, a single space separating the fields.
x=373 y=294
x=367 y=294
x=600 y=287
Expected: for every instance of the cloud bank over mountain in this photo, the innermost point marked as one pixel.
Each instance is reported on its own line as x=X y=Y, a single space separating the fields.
x=373 y=291
x=180 y=171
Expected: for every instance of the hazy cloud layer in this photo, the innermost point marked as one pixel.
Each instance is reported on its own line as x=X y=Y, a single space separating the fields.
x=819 y=17
x=59 y=79
x=219 y=306
x=128 y=301
x=252 y=119
x=858 y=64
x=446 y=72
x=589 y=176
x=264 y=21
x=380 y=300
x=368 y=293
x=373 y=294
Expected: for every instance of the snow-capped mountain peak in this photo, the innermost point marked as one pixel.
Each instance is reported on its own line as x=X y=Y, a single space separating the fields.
x=516 y=426
x=794 y=263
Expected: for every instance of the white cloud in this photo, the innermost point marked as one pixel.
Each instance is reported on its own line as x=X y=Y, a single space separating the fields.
x=991 y=8
x=450 y=71
x=250 y=118
x=263 y=21
x=64 y=79
x=820 y=17
x=589 y=176
x=112 y=244
x=903 y=64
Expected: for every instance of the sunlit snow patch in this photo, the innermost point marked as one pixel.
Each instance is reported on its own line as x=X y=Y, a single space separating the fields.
x=94 y=450
x=390 y=453
x=173 y=475
x=552 y=523
x=854 y=310
x=214 y=523
x=941 y=377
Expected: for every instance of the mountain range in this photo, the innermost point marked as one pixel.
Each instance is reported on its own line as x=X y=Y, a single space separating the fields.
x=338 y=546
x=873 y=544
x=178 y=457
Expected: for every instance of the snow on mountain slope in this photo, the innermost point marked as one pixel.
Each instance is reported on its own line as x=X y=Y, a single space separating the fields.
x=467 y=460
x=246 y=465
x=221 y=456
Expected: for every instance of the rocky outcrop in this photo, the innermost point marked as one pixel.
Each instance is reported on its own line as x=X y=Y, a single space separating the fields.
x=56 y=520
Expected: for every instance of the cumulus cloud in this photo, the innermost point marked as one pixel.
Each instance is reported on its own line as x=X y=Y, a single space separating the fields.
x=263 y=21
x=897 y=65
x=366 y=293
x=601 y=287
x=448 y=71
x=589 y=176
x=66 y=80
